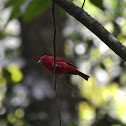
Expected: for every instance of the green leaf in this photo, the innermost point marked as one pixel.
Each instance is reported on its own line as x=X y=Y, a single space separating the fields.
x=16 y=8
x=1 y=35
x=9 y=52
x=15 y=13
x=13 y=3
x=10 y=3
x=98 y=3
x=35 y=8
x=102 y=66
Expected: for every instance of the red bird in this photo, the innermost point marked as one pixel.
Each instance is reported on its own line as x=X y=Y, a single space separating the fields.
x=62 y=66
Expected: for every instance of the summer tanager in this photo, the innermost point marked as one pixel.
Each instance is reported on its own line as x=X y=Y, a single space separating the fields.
x=62 y=66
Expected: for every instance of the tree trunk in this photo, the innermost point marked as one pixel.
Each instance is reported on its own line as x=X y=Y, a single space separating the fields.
x=37 y=41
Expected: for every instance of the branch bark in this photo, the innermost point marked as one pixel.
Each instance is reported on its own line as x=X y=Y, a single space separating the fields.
x=94 y=26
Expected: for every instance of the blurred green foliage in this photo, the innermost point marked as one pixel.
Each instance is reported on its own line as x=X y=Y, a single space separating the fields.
x=16 y=74
x=98 y=3
x=105 y=92
x=27 y=9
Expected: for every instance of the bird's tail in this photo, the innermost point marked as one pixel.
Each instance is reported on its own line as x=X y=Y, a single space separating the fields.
x=86 y=77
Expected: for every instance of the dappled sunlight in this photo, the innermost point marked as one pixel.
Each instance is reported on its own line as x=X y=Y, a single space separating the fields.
x=3 y=88
x=92 y=92
x=42 y=90
x=86 y=113
x=117 y=105
x=20 y=97
x=80 y=49
x=123 y=78
x=110 y=4
x=102 y=90
x=16 y=120
x=104 y=49
x=11 y=42
x=16 y=74
x=102 y=76
x=26 y=92
x=110 y=95
x=99 y=96
x=95 y=53
x=13 y=27
x=107 y=61
x=2 y=110
x=84 y=66
x=124 y=29
x=120 y=21
x=68 y=48
x=3 y=80
x=11 y=118
x=19 y=113
x=121 y=37
x=109 y=26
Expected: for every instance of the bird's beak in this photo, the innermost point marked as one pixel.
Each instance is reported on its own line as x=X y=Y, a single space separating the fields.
x=40 y=61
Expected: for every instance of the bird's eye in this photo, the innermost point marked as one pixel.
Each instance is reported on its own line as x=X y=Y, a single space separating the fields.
x=44 y=59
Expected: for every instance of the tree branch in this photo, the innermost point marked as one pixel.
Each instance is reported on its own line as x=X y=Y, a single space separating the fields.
x=94 y=26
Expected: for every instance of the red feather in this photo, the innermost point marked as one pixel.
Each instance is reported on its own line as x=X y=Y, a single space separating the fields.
x=59 y=59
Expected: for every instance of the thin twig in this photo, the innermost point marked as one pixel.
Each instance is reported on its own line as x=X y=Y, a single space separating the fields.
x=54 y=67
x=83 y=4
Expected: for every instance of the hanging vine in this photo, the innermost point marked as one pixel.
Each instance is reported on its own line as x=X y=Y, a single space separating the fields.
x=54 y=67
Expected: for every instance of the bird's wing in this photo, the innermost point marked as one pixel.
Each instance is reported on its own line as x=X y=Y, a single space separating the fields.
x=59 y=59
